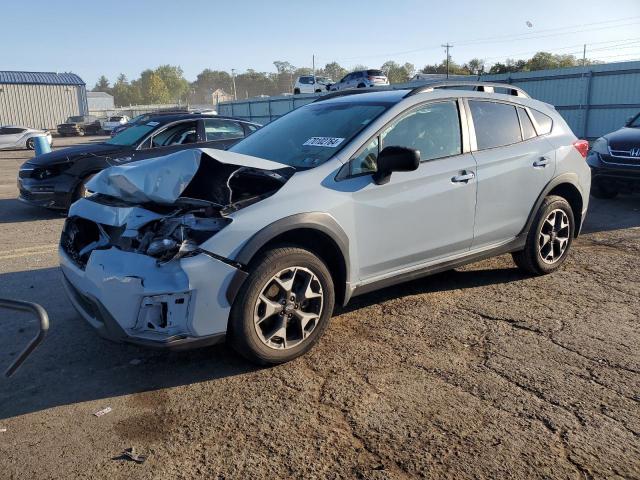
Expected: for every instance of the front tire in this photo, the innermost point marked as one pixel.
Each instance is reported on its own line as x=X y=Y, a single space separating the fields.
x=296 y=91
x=283 y=307
x=30 y=144
x=549 y=239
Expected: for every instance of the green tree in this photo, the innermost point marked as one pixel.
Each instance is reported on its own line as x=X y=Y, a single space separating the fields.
x=122 y=91
x=334 y=71
x=102 y=85
x=208 y=81
x=475 y=66
x=173 y=78
x=395 y=72
x=152 y=88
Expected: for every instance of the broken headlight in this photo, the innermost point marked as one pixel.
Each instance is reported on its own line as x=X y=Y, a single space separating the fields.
x=42 y=173
x=179 y=236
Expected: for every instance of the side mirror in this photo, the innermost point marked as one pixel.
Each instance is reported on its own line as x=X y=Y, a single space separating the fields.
x=629 y=120
x=395 y=159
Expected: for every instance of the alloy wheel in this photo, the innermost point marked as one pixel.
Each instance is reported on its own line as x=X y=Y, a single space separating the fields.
x=288 y=308
x=554 y=236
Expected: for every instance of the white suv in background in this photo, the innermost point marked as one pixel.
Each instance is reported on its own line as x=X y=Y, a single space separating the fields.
x=311 y=84
x=113 y=122
x=362 y=79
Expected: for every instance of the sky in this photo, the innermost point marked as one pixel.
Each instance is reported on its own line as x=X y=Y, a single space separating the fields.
x=113 y=37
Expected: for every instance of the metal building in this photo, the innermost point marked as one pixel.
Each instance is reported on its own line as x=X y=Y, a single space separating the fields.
x=40 y=99
x=99 y=102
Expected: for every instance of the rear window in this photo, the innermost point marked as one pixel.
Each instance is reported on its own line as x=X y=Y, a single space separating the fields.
x=115 y=119
x=306 y=80
x=544 y=122
x=496 y=124
x=375 y=73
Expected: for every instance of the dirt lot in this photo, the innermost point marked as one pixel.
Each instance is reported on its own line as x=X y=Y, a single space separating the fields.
x=475 y=373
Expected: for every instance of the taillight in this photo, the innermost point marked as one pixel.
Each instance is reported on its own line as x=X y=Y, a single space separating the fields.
x=582 y=146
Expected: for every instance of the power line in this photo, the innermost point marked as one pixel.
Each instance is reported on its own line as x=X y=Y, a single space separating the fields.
x=447 y=46
x=566 y=30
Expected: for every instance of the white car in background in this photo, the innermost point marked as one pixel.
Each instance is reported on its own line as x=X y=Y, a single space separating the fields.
x=12 y=136
x=113 y=122
x=311 y=84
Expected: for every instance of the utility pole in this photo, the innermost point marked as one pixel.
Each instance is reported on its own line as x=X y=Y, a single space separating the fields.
x=313 y=67
x=447 y=46
x=233 y=79
x=584 y=55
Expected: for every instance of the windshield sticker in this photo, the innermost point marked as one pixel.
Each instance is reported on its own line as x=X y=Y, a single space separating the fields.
x=330 y=142
x=153 y=124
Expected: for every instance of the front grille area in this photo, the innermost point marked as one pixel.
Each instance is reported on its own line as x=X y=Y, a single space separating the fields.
x=621 y=160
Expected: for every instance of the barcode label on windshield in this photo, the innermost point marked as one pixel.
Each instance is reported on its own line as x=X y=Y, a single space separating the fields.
x=331 y=142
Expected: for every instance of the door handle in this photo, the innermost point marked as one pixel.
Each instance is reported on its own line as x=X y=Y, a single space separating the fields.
x=463 y=177
x=541 y=162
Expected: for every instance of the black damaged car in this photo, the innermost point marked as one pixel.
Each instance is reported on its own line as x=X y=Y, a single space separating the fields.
x=56 y=179
x=615 y=161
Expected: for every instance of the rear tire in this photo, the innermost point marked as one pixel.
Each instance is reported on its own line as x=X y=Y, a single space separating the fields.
x=283 y=307
x=361 y=85
x=603 y=192
x=296 y=91
x=549 y=239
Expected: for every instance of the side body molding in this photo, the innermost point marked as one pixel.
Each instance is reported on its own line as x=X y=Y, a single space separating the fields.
x=322 y=222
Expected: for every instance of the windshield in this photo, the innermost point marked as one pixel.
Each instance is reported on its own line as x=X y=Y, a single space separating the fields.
x=130 y=136
x=635 y=123
x=74 y=119
x=309 y=136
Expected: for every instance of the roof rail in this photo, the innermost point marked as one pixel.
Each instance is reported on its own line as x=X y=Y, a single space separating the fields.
x=344 y=93
x=477 y=86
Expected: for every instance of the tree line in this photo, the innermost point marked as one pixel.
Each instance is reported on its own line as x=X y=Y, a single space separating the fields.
x=167 y=85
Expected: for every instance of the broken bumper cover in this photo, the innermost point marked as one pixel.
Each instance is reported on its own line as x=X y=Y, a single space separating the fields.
x=127 y=297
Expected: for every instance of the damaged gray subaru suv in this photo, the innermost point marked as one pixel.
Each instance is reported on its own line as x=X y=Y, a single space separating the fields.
x=351 y=193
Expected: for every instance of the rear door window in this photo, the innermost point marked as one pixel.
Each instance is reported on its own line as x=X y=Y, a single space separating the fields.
x=544 y=122
x=216 y=129
x=178 y=134
x=527 y=125
x=496 y=124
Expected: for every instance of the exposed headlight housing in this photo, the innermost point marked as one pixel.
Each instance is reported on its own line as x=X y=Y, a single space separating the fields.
x=42 y=173
x=178 y=237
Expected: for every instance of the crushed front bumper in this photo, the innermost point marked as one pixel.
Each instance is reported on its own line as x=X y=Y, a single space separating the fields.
x=128 y=297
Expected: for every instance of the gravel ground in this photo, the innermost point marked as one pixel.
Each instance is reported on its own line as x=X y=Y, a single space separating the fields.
x=479 y=372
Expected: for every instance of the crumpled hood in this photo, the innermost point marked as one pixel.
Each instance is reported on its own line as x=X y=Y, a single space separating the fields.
x=163 y=179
